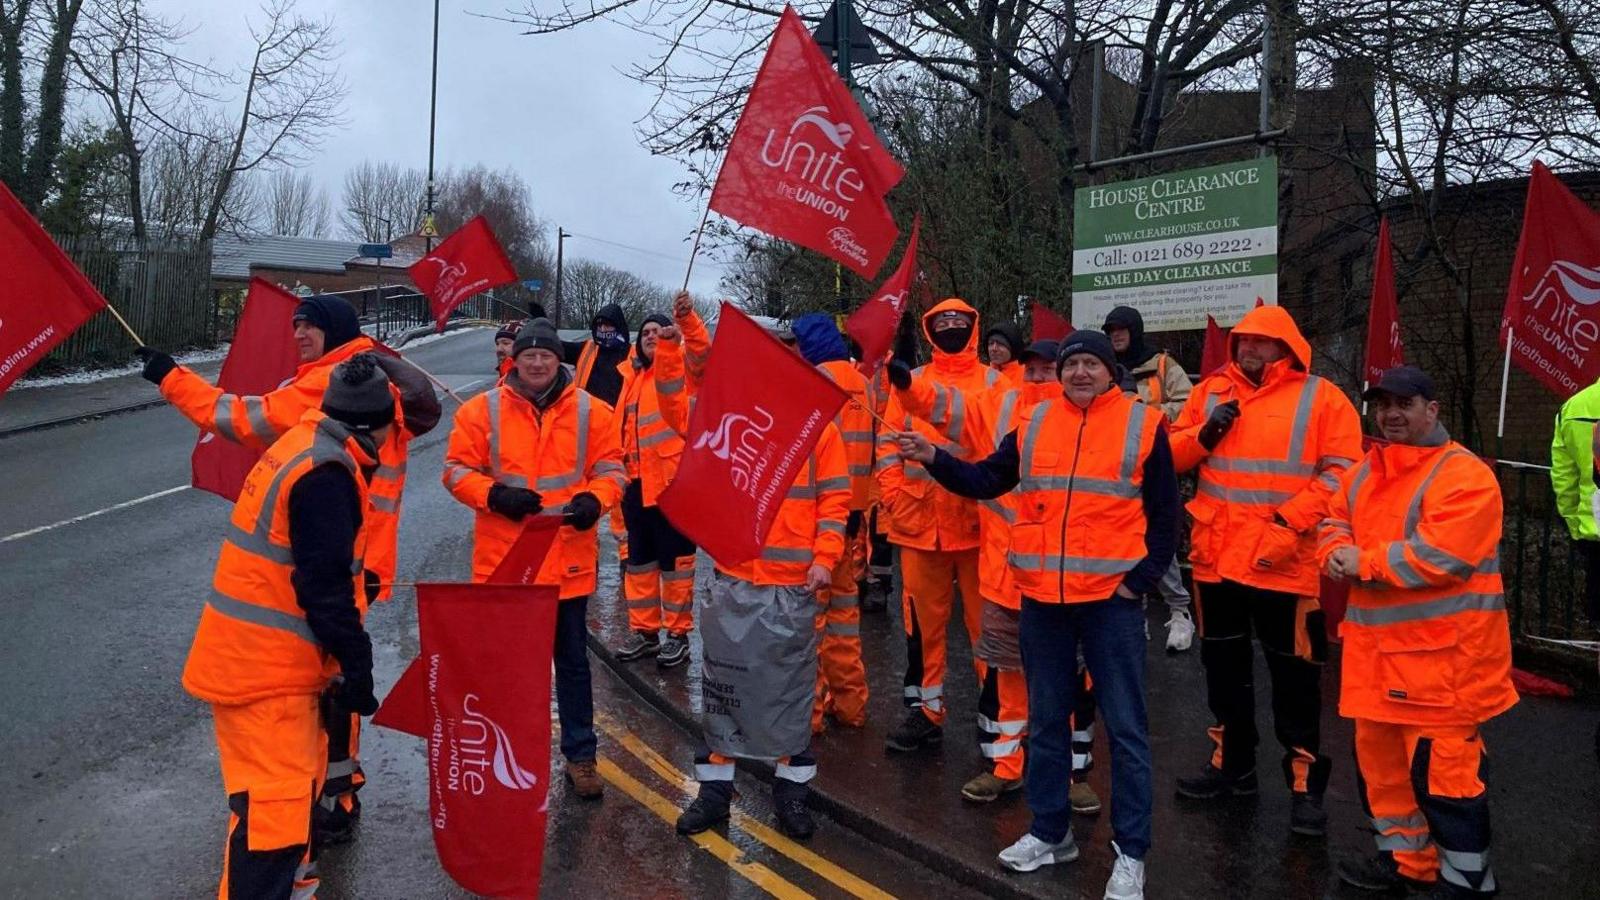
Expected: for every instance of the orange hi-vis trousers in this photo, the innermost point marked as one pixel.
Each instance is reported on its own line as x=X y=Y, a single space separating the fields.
x=658 y=570
x=1423 y=786
x=841 y=676
x=931 y=578
x=1003 y=719
x=273 y=753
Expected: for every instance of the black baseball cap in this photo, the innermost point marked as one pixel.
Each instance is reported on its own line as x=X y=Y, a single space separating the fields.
x=1404 y=382
x=1040 y=350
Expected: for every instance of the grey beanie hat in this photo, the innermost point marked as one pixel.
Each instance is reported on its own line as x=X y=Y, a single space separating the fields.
x=358 y=394
x=537 y=334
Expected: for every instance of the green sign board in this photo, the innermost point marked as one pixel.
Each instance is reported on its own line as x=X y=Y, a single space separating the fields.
x=1179 y=246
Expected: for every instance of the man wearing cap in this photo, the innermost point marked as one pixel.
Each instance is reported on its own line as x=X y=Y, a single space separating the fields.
x=282 y=628
x=1154 y=377
x=936 y=531
x=539 y=444
x=1096 y=526
x=1269 y=441
x=504 y=337
x=1415 y=528
x=326 y=333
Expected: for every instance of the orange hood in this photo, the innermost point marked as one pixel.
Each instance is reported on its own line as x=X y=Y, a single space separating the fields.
x=1276 y=323
x=969 y=353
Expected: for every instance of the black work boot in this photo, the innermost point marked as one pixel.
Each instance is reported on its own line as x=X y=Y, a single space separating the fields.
x=708 y=808
x=1307 y=817
x=794 y=819
x=639 y=645
x=1378 y=873
x=1211 y=784
x=916 y=731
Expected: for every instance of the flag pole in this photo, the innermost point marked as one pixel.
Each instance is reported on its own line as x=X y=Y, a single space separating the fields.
x=125 y=326
x=1505 y=376
x=437 y=383
x=695 y=250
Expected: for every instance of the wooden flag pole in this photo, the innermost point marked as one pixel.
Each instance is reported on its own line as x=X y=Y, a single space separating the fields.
x=437 y=383
x=695 y=250
x=125 y=326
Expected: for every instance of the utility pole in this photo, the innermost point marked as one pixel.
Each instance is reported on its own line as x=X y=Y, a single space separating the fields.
x=561 y=239
x=433 y=113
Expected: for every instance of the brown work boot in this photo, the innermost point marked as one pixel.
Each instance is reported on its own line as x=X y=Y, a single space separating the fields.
x=584 y=779
x=1083 y=798
x=987 y=787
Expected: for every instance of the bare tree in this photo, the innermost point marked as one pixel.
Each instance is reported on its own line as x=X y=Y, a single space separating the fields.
x=589 y=286
x=502 y=198
x=29 y=169
x=381 y=201
x=293 y=204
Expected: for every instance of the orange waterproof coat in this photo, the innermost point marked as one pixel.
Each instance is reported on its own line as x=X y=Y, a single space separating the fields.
x=985 y=422
x=253 y=641
x=568 y=449
x=921 y=514
x=1080 y=509
x=855 y=427
x=258 y=421
x=650 y=449
x=1426 y=637
x=1295 y=435
x=810 y=525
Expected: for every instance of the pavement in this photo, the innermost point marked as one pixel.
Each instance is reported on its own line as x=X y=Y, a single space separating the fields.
x=109 y=770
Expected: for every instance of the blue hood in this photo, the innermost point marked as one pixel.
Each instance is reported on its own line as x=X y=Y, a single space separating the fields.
x=819 y=339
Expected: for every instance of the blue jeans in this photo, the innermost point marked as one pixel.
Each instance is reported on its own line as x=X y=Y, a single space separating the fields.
x=1112 y=634
x=574 y=699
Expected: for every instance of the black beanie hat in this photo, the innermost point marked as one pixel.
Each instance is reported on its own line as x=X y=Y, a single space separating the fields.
x=537 y=334
x=659 y=319
x=1010 y=334
x=333 y=315
x=358 y=394
x=1095 y=343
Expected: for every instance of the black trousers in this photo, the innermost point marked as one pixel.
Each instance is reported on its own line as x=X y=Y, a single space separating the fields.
x=1294 y=644
x=1589 y=551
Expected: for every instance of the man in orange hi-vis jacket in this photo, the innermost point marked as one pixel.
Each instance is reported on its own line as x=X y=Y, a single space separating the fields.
x=936 y=531
x=1269 y=441
x=1415 y=528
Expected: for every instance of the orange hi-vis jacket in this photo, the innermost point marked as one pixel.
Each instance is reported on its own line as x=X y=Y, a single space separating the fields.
x=921 y=514
x=1295 y=435
x=810 y=525
x=1080 y=509
x=878 y=390
x=1012 y=373
x=1426 y=637
x=855 y=426
x=984 y=421
x=258 y=421
x=500 y=437
x=253 y=641
x=587 y=356
x=651 y=449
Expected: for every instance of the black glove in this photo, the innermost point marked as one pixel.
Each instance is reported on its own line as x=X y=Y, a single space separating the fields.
x=536 y=310
x=513 y=502
x=353 y=692
x=1221 y=421
x=373 y=585
x=582 y=511
x=156 y=364
x=899 y=374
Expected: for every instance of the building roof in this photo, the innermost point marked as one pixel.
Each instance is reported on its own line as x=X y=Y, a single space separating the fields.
x=232 y=256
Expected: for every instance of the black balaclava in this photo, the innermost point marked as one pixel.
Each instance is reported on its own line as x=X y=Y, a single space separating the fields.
x=951 y=340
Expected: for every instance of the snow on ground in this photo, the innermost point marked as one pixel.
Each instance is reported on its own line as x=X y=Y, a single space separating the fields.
x=87 y=376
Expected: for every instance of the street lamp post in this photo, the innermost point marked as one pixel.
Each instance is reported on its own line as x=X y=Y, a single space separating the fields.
x=433 y=112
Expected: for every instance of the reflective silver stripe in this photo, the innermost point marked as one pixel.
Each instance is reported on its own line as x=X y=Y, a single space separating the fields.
x=1338 y=525
x=1259 y=466
x=859 y=470
x=608 y=467
x=1362 y=471
x=1427 y=609
x=1302 y=417
x=1414 y=508
x=669 y=386
x=801 y=492
x=936 y=704
x=1211 y=404
x=341 y=768
x=786 y=554
x=557 y=482
x=830 y=526
x=580 y=459
x=644 y=603
x=998 y=749
x=1081 y=483
x=836 y=483
x=493 y=399
x=1087 y=565
x=1081 y=761
x=643 y=568
x=1439 y=559
x=798 y=774
x=1330 y=480
x=1131 y=443
x=844 y=601
x=260 y=615
x=1242 y=495
x=843 y=629
x=660 y=437
x=258 y=546
x=685 y=606
x=941 y=404
x=1334 y=462
x=1413 y=821
x=1008 y=407
x=649 y=419
x=1006 y=514
x=1455 y=864
x=520 y=481
x=390 y=472
x=709 y=772
x=990 y=376
x=958 y=415
x=1004 y=728
x=222 y=419
x=255 y=412
x=1395 y=556
x=856 y=437
x=1084 y=736
x=1030 y=438
x=384 y=504
x=678 y=575
x=1401 y=841
x=889 y=459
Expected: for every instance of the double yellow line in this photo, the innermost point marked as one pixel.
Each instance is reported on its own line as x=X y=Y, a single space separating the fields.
x=714 y=843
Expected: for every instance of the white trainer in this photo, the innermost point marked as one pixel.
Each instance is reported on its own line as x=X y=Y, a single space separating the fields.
x=1127 y=877
x=1180 y=631
x=1030 y=853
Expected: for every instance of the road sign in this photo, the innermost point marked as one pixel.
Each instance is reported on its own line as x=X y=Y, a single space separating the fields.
x=429 y=228
x=532 y=284
x=1177 y=246
x=376 y=251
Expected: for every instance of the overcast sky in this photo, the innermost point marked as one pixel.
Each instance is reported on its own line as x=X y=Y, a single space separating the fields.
x=557 y=109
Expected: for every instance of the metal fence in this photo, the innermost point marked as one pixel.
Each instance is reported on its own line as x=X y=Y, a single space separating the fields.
x=162 y=287
x=1545 y=580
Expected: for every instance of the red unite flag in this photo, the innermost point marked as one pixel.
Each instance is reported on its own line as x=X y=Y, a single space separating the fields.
x=465 y=264
x=748 y=438
x=261 y=359
x=479 y=695
x=804 y=164
x=1214 y=354
x=873 y=325
x=1048 y=325
x=46 y=297
x=1384 y=348
x=1552 y=323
